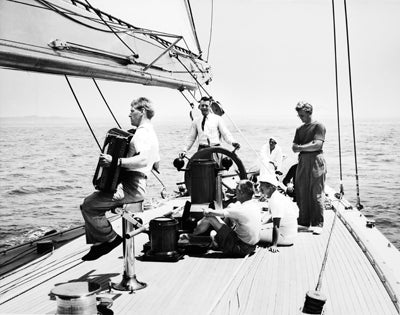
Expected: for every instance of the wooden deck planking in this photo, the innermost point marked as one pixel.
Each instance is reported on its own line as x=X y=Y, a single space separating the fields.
x=369 y=279
x=266 y=283
x=352 y=270
x=344 y=301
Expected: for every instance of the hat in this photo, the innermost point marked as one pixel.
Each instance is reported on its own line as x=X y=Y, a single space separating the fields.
x=269 y=178
x=273 y=138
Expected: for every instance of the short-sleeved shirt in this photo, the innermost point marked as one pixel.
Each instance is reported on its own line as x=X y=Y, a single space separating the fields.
x=309 y=132
x=145 y=142
x=247 y=220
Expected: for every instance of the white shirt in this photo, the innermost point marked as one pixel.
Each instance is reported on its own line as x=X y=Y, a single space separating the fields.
x=275 y=156
x=281 y=206
x=214 y=129
x=247 y=219
x=145 y=142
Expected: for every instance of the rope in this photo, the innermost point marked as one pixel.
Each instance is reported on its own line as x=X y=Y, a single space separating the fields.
x=337 y=98
x=319 y=283
x=211 y=29
x=40 y=283
x=223 y=291
x=84 y=116
x=359 y=205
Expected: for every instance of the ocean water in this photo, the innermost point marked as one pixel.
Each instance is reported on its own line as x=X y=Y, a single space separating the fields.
x=47 y=165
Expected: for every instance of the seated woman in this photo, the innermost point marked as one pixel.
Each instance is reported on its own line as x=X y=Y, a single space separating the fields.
x=280 y=228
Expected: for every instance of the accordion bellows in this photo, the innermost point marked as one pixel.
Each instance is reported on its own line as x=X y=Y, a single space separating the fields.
x=116 y=144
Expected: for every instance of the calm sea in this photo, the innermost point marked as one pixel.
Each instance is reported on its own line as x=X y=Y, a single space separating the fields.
x=47 y=165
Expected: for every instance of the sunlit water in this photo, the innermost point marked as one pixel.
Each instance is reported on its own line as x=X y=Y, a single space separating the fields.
x=46 y=169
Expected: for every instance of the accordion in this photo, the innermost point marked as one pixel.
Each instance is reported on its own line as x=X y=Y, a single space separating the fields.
x=116 y=144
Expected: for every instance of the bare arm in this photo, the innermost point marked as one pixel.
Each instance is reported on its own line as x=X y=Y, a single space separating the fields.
x=213 y=213
x=136 y=161
x=314 y=145
x=275 y=235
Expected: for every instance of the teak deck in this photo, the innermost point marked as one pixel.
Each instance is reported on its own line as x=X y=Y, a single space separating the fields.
x=264 y=283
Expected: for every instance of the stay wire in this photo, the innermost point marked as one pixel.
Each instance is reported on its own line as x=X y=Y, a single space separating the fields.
x=135 y=55
x=102 y=96
x=211 y=29
x=337 y=98
x=84 y=116
x=191 y=74
x=358 y=205
x=189 y=10
x=54 y=8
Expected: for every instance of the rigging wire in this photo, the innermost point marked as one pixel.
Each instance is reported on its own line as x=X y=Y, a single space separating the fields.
x=211 y=29
x=191 y=19
x=84 y=116
x=337 y=98
x=55 y=9
x=193 y=76
x=358 y=205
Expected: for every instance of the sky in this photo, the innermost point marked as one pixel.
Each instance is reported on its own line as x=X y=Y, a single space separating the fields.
x=265 y=56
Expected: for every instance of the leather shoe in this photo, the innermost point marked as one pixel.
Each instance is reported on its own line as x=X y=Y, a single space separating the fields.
x=102 y=249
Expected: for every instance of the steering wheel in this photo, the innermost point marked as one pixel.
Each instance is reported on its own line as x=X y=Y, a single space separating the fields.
x=234 y=169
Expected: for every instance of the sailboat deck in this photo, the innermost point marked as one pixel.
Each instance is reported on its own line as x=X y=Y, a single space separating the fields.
x=264 y=283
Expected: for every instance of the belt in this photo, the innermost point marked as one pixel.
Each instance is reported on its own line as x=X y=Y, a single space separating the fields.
x=135 y=174
x=311 y=152
x=203 y=146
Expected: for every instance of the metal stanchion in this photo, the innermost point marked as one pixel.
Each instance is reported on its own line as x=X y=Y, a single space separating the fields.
x=218 y=192
x=129 y=281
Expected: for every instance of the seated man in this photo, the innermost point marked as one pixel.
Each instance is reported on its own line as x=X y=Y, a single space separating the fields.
x=289 y=181
x=281 y=228
x=240 y=238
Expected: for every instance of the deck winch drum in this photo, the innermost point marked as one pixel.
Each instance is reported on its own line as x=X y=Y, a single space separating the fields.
x=78 y=298
x=203 y=180
x=163 y=236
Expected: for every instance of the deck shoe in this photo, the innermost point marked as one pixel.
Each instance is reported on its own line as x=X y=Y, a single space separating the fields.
x=303 y=228
x=102 y=249
x=317 y=230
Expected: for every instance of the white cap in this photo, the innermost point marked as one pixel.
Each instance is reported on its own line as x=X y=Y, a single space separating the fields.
x=269 y=178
